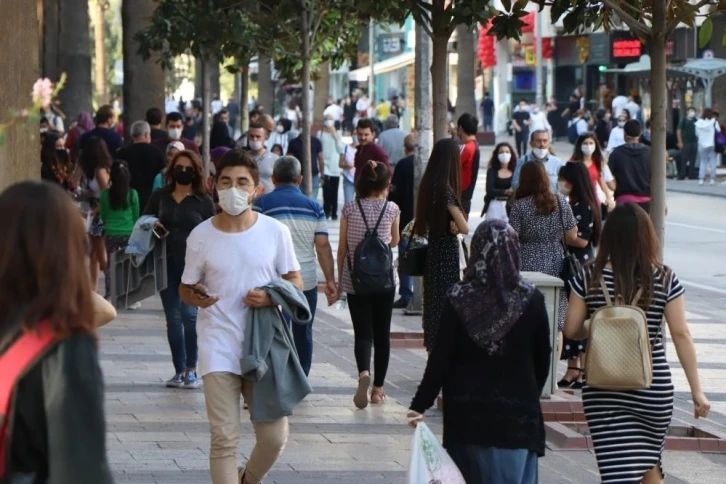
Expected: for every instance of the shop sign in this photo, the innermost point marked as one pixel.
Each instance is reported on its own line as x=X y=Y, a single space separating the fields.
x=627 y=49
x=391 y=44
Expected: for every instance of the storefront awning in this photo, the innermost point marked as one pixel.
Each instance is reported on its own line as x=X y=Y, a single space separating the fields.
x=388 y=65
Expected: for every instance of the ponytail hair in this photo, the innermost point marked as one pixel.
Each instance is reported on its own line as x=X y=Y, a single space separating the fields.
x=374 y=177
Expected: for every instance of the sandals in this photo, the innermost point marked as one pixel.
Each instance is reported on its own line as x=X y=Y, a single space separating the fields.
x=378 y=396
x=571 y=384
x=360 y=399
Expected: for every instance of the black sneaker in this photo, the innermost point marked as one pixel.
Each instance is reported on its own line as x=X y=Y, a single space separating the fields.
x=400 y=304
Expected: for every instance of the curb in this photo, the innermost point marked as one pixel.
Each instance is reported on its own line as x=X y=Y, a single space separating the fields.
x=696 y=192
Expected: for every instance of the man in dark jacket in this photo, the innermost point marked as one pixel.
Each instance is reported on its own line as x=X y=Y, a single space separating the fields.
x=630 y=165
x=144 y=159
x=402 y=195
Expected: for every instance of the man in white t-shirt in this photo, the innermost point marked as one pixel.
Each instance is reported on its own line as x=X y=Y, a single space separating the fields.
x=619 y=103
x=229 y=258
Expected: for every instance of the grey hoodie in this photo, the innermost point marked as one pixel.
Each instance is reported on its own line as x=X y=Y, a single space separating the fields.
x=271 y=362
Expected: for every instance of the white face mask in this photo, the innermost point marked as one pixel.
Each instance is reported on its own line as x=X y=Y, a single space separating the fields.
x=540 y=153
x=329 y=123
x=588 y=149
x=621 y=123
x=280 y=129
x=234 y=201
x=691 y=114
x=563 y=188
x=504 y=157
x=256 y=145
x=175 y=133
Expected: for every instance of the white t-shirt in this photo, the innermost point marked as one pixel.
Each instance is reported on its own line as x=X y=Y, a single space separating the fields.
x=335 y=111
x=617 y=138
x=633 y=109
x=538 y=121
x=230 y=265
x=619 y=103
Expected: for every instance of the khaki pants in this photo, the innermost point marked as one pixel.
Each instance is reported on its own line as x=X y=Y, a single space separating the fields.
x=221 y=394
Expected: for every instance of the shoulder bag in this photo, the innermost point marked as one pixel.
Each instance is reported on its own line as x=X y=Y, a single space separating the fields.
x=412 y=262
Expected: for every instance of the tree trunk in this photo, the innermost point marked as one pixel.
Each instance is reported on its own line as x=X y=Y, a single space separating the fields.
x=99 y=35
x=50 y=38
x=266 y=92
x=143 y=80
x=20 y=58
x=207 y=110
x=244 y=96
x=438 y=84
x=212 y=66
x=74 y=57
x=307 y=167
x=658 y=97
x=198 y=90
x=322 y=90
x=465 y=96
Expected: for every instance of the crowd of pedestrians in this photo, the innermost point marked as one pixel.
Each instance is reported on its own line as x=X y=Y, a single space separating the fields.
x=247 y=240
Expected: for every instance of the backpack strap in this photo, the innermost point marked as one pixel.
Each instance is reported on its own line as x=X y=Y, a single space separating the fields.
x=605 y=291
x=15 y=362
x=380 y=217
x=362 y=214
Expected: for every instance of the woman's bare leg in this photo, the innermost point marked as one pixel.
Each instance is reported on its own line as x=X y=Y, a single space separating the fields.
x=653 y=476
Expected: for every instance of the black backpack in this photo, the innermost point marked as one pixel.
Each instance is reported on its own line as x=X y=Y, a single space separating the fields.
x=373 y=269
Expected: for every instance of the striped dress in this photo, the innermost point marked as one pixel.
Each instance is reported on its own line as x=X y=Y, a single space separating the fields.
x=628 y=428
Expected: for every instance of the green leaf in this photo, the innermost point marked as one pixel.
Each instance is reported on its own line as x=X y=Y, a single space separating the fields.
x=723 y=39
x=704 y=35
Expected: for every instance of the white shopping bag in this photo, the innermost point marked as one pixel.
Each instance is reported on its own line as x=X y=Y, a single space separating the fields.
x=430 y=464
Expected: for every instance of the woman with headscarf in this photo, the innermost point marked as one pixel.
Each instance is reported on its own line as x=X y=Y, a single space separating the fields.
x=83 y=125
x=492 y=358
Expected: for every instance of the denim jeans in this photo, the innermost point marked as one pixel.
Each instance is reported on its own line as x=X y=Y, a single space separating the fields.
x=494 y=465
x=316 y=187
x=181 y=320
x=488 y=123
x=405 y=286
x=303 y=333
x=348 y=190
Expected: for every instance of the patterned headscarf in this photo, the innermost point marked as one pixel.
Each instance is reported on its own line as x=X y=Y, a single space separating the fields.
x=493 y=296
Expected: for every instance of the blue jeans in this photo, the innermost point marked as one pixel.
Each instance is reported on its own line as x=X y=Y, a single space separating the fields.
x=488 y=123
x=493 y=465
x=181 y=320
x=303 y=333
x=405 y=286
x=316 y=187
x=348 y=190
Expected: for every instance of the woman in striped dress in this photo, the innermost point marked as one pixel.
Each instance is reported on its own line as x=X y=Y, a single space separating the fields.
x=628 y=428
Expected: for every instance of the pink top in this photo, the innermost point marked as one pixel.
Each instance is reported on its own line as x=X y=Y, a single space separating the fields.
x=357 y=229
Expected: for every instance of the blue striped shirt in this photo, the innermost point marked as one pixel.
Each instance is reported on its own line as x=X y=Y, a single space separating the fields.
x=305 y=218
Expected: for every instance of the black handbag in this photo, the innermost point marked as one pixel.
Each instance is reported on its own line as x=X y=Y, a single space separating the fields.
x=571 y=265
x=412 y=262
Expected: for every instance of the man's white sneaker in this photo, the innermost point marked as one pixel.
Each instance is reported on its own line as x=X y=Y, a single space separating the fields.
x=713 y=182
x=700 y=182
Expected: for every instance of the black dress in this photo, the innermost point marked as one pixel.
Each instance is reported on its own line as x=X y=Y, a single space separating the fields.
x=496 y=188
x=585 y=225
x=442 y=271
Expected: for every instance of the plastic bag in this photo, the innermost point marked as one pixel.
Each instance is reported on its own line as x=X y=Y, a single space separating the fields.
x=430 y=464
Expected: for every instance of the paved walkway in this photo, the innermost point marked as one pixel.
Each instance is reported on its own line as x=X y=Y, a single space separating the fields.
x=160 y=435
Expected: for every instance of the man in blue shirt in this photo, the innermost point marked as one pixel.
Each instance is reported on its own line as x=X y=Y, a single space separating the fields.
x=307 y=223
x=540 y=144
x=487 y=109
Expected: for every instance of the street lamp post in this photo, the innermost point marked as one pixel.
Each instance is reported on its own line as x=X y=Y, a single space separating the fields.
x=372 y=62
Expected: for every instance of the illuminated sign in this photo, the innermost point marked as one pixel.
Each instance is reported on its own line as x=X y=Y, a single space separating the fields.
x=627 y=48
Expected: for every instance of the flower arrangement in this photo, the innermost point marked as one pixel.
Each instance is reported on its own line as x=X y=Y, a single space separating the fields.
x=42 y=94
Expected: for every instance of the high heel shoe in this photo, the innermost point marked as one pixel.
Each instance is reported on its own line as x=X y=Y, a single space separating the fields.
x=565 y=383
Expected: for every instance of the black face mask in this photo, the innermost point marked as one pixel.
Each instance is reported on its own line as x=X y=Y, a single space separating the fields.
x=183 y=175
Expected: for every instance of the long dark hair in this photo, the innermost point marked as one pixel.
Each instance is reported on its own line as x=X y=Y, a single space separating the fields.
x=496 y=164
x=597 y=157
x=630 y=245
x=199 y=187
x=94 y=156
x=583 y=191
x=442 y=174
x=534 y=182
x=42 y=254
x=118 y=193
x=55 y=160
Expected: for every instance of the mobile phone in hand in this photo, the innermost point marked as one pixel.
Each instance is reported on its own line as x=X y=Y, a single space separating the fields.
x=198 y=292
x=160 y=232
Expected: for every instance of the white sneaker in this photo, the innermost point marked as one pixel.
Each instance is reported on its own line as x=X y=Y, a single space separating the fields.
x=700 y=182
x=135 y=306
x=712 y=182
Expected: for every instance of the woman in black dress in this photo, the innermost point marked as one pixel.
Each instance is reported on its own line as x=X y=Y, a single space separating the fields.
x=575 y=183
x=499 y=182
x=440 y=219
